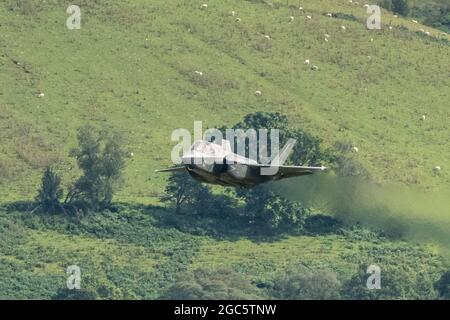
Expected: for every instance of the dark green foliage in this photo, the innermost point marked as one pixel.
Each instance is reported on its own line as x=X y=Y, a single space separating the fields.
x=263 y=208
x=205 y=284
x=50 y=193
x=397 y=282
x=443 y=286
x=101 y=157
x=181 y=189
x=400 y=7
x=302 y=283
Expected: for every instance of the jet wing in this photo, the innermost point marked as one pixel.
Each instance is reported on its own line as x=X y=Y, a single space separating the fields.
x=293 y=171
x=173 y=169
x=289 y=171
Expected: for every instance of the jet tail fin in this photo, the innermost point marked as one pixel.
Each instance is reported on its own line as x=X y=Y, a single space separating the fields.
x=281 y=158
x=226 y=146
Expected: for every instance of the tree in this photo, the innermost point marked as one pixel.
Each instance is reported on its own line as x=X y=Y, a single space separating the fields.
x=396 y=283
x=101 y=157
x=207 y=284
x=400 y=7
x=302 y=283
x=181 y=190
x=263 y=206
x=50 y=193
x=443 y=286
x=269 y=210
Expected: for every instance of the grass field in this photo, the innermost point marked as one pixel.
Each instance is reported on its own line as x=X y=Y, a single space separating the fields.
x=132 y=67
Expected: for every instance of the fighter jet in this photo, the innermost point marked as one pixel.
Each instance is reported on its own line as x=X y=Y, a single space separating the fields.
x=212 y=163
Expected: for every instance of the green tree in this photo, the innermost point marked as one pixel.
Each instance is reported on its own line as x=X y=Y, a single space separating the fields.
x=101 y=157
x=302 y=283
x=182 y=190
x=396 y=283
x=443 y=286
x=400 y=7
x=50 y=192
x=206 y=284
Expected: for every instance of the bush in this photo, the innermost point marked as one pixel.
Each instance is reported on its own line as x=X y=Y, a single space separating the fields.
x=101 y=157
x=50 y=193
x=400 y=7
x=205 y=284
x=302 y=283
x=443 y=286
x=396 y=283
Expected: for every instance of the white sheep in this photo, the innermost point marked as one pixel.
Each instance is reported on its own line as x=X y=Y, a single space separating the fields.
x=329 y=15
x=307 y=62
x=238 y=19
x=343 y=27
x=204 y=6
x=437 y=168
x=309 y=17
x=315 y=68
x=267 y=36
x=291 y=19
x=131 y=154
x=233 y=13
x=301 y=8
x=326 y=39
x=415 y=21
x=326 y=35
x=355 y=149
x=199 y=73
x=258 y=93
x=423 y=117
x=428 y=33
x=41 y=95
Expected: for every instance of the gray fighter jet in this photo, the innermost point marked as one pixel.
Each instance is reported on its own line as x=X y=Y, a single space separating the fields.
x=217 y=164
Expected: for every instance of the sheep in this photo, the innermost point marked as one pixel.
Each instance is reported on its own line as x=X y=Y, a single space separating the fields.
x=309 y=17
x=326 y=39
x=199 y=73
x=329 y=15
x=301 y=8
x=395 y=16
x=326 y=35
x=267 y=36
x=423 y=117
x=307 y=62
x=371 y=39
x=204 y=6
x=258 y=93
x=41 y=95
x=428 y=33
x=415 y=21
x=238 y=20
x=233 y=13
x=343 y=27
x=390 y=27
x=437 y=168
x=291 y=19
x=355 y=149
x=131 y=154
x=315 y=68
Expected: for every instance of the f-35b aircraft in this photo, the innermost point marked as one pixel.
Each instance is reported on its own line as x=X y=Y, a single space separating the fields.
x=217 y=164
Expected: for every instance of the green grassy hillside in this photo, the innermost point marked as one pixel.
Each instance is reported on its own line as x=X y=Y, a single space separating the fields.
x=132 y=67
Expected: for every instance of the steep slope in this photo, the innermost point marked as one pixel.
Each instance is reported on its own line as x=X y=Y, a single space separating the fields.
x=131 y=66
